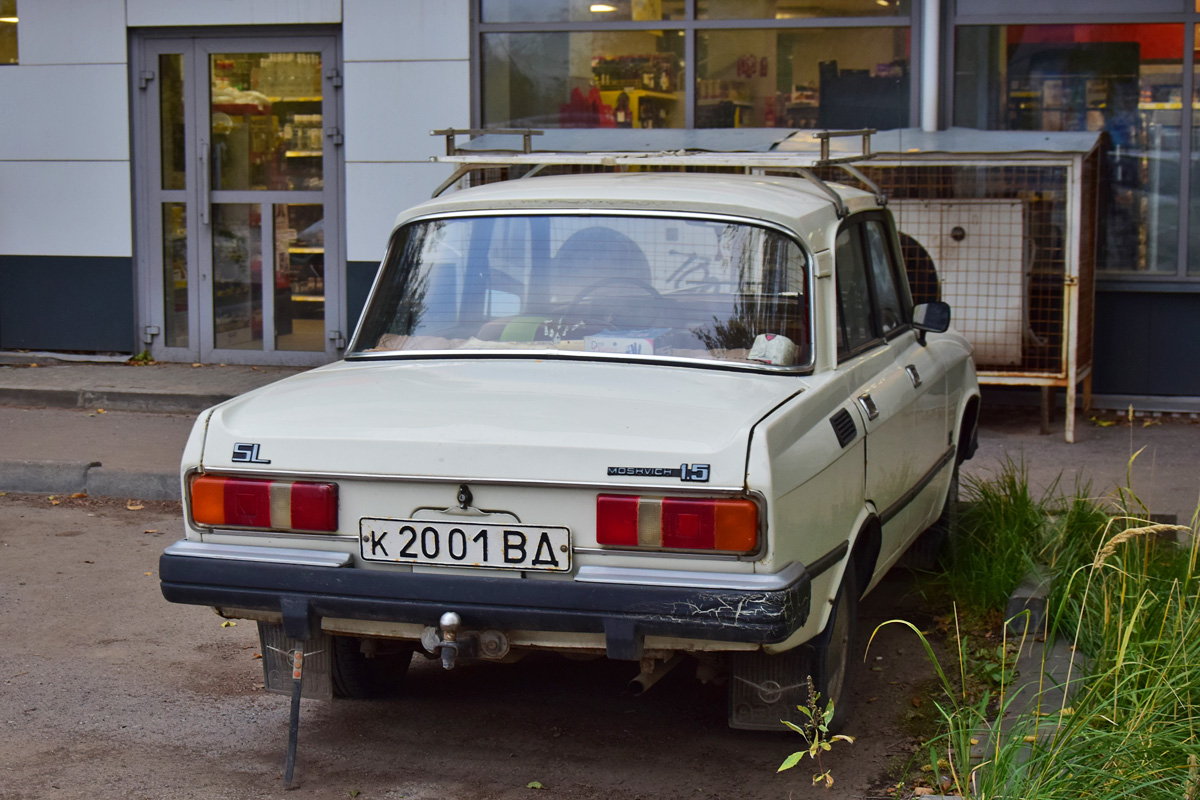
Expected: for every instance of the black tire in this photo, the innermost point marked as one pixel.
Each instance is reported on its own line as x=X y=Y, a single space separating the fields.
x=830 y=651
x=357 y=676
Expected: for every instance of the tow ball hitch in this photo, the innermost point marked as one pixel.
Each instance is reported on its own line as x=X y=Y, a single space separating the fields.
x=452 y=642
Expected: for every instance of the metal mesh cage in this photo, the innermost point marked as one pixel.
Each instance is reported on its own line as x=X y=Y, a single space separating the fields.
x=1010 y=247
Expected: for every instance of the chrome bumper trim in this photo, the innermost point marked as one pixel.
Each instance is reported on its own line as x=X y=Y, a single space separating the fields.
x=266 y=555
x=692 y=580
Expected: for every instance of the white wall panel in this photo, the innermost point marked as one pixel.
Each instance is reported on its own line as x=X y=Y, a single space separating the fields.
x=72 y=32
x=78 y=208
x=231 y=12
x=64 y=112
x=376 y=194
x=418 y=30
x=392 y=107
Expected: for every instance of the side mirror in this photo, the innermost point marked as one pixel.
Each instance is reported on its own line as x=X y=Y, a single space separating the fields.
x=932 y=318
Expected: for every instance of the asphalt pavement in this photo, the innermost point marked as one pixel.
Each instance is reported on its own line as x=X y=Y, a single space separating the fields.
x=118 y=430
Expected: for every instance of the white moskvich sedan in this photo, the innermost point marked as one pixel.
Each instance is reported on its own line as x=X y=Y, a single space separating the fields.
x=640 y=415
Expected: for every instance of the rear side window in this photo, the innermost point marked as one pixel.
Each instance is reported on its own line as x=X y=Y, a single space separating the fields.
x=855 y=330
x=883 y=277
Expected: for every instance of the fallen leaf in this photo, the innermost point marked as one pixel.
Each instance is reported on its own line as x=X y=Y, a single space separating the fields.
x=916 y=701
x=534 y=785
x=101 y=411
x=197 y=365
x=78 y=495
x=1103 y=423
x=258 y=655
x=134 y=505
x=922 y=791
x=1030 y=739
x=89 y=562
x=353 y=792
x=872 y=699
x=151 y=530
x=148 y=574
x=1150 y=422
x=228 y=624
x=974 y=741
x=54 y=502
x=33 y=365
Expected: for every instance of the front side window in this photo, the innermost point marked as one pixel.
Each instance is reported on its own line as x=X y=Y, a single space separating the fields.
x=593 y=285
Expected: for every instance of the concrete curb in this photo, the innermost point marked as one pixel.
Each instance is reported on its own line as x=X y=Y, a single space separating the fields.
x=160 y=402
x=69 y=477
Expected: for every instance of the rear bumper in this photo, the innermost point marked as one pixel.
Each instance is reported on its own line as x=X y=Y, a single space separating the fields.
x=304 y=591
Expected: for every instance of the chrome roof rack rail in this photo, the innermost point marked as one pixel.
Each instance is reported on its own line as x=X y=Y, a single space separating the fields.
x=794 y=161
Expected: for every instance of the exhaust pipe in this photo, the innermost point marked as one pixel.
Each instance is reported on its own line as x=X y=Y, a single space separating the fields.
x=652 y=672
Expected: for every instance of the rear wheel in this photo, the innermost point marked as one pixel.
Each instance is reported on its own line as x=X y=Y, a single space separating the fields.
x=766 y=688
x=368 y=668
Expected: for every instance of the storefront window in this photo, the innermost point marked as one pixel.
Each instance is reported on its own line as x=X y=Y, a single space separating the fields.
x=803 y=78
x=600 y=79
x=1124 y=80
x=1194 y=207
x=799 y=9
x=582 y=10
x=8 y=31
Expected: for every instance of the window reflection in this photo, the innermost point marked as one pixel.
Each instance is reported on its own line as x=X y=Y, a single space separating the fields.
x=300 y=277
x=582 y=10
x=1124 y=80
x=8 y=31
x=266 y=121
x=799 y=9
x=627 y=79
x=237 y=276
x=806 y=78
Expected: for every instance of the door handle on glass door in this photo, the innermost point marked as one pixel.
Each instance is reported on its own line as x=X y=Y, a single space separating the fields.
x=204 y=181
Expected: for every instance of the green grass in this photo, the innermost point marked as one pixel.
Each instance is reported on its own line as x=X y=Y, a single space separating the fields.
x=1125 y=594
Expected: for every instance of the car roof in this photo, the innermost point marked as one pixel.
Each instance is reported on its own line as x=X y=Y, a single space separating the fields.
x=794 y=203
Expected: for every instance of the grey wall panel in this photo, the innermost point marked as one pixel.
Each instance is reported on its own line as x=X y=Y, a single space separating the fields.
x=1146 y=344
x=66 y=303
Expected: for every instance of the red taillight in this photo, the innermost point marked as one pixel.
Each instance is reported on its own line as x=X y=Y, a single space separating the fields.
x=727 y=524
x=256 y=503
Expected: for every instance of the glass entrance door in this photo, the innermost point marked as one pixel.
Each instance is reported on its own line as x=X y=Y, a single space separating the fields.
x=238 y=200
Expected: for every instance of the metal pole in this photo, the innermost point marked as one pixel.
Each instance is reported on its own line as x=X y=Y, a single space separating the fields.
x=289 y=765
x=931 y=29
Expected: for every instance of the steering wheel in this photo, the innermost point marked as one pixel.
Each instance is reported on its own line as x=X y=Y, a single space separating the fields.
x=620 y=308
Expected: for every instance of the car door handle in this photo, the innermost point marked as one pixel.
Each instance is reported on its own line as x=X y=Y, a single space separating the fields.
x=913 y=375
x=868 y=406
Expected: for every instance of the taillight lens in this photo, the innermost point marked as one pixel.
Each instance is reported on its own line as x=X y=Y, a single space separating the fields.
x=257 y=503
x=673 y=523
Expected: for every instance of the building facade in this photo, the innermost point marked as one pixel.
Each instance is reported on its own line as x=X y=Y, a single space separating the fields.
x=215 y=181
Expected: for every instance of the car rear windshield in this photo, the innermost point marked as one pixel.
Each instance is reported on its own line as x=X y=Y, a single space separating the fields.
x=607 y=286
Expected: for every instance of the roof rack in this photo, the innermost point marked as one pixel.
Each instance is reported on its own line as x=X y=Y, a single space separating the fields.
x=800 y=162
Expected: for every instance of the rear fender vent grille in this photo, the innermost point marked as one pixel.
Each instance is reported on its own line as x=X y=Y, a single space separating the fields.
x=844 y=427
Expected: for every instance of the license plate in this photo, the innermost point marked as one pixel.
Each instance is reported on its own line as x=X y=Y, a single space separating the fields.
x=465 y=544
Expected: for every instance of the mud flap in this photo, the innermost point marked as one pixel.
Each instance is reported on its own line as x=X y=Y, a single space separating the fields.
x=277 y=650
x=765 y=689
